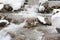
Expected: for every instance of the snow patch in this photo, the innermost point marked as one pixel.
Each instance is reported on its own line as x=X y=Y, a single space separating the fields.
x=4 y=21
x=16 y=4
x=43 y=1
x=1 y=6
x=56 y=18
x=41 y=19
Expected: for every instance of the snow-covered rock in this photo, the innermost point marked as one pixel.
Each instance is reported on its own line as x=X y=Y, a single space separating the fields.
x=1 y=6
x=41 y=8
x=41 y=19
x=51 y=29
x=4 y=21
x=28 y=14
x=56 y=18
x=15 y=4
x=43 y=1
x=4 y=35
x=31 y=22
x=55 y=11
x=17 y=29
x=31 y=35
x=35 y=8
x=41 y=37
x=31 y=8
x=14 y=27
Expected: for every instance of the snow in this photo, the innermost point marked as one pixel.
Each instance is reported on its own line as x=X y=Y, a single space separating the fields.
x=13 y=27
x=41 y=19
x=16 y=4
x=56 y=18
x=39 y=38
x=31 y=8
x=27 y=14
x=10 y=28
x=55 y=10
x=43 y=1
x=4 y=35
x=7 y=37
x=39 y=33
x=41 y=8
x=4 y=21
x=51 y=29
x=30 y=11
x=1 y=6
x=35 y=8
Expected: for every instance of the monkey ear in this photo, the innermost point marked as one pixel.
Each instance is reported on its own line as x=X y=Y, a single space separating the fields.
x=11 y=34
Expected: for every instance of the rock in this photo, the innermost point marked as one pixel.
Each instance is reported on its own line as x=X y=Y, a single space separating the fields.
x=3 y=23
x=1 y=6
x=21 y=37
x=6 y=8
x=58 y=30
x=7 y=18
x=31 y=22
x=55 y=19
x=48 y=22
x=43 y=1
x=51 y=37
x=15 y=4
x=41 y=9
x=56 y=7
x=41 y=19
